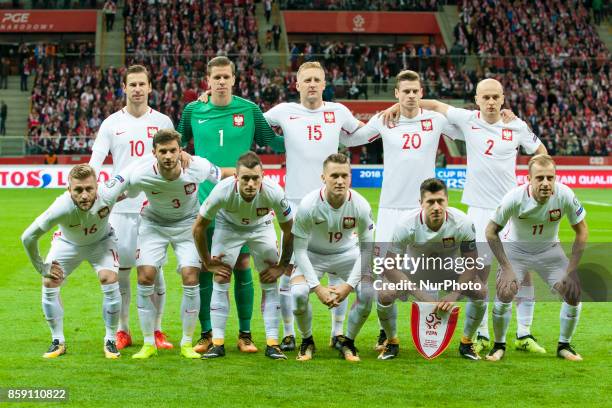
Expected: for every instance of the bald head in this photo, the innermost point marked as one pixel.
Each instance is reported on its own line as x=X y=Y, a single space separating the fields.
x=489 y=85
x=490 y=99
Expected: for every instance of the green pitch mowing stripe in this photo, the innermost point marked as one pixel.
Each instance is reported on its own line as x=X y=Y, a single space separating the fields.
x=253 y=380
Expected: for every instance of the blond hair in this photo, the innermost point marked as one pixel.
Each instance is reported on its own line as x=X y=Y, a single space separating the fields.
x=81 y=172
x=542 y=160
x=310 y=64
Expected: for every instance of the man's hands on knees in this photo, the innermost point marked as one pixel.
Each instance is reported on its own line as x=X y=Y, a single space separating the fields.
x=219 y=268
x=272 y=272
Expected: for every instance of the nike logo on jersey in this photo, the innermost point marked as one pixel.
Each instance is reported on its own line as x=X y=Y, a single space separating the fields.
x=200 y=121
x=520 y=217
x=120 y=133
x=75 y=225
x=475 y=128
x=317 y=222
x=155 y=192
x=293 y=117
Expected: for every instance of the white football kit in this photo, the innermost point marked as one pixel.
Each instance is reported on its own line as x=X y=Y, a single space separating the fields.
x=129 y=140
x=410 y=149
x=170 y=212
x=239 y=222
x=491 y=153
x=531 y=240
x=82 y=235
x=333 y=237
x=310 y=137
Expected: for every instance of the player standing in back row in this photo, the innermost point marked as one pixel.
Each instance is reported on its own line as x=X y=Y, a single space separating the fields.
x=222 y=130
x=128 y=136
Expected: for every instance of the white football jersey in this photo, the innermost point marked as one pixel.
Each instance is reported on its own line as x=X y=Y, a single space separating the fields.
x=491 y=155
x=412 y=234
x=410 y=149
x=80 y=227
x=310 y=136
x=129 y=140
x=227 y=204
x=331 y=230
x=536 y=225
x=171 y=201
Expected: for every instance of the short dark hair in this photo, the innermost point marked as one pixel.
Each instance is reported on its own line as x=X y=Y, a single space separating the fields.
x=82 y=172
x=136 y=69
x=250 y=160
x=164 y=136
x=433 y=185
x=337 y=158
x=220 y=61
x=407 y=75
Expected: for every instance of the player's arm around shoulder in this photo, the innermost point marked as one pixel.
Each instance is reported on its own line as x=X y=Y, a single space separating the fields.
x=184 y=126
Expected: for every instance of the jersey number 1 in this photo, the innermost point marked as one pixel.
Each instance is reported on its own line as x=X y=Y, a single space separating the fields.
x=220 y=137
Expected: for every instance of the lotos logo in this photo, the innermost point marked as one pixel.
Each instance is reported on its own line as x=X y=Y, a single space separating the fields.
x=19 y=178
x=433 y=321
x=16 y=17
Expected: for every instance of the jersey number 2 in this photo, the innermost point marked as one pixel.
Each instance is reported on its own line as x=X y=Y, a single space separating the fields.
x=488 y=151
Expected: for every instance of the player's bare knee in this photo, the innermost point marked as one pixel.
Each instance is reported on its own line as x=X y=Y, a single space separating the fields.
x=221 y=279
x=243 y=262
x=107 y=277
x=191 y=276
x=146 y=275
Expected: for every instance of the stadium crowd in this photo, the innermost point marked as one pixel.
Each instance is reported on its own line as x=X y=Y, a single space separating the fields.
x=376 y=5
x=553 y=65
x=564 y=93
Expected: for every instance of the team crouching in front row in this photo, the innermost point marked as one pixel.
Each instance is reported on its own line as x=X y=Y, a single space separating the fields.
x=331 y=232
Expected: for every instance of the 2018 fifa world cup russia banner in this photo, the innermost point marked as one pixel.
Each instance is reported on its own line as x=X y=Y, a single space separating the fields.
x=48 y=21
x=365 y=22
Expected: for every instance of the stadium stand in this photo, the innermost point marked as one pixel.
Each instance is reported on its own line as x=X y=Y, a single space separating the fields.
x=553 y=65
x=377 y=5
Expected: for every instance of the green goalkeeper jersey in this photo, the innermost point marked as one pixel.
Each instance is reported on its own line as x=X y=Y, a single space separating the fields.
x=222 y=133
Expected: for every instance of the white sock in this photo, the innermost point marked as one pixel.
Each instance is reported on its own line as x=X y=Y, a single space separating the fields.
x=524 y=310
x=302 y=310
x=146 y=312
x=338 y=313
x=387 y=316
x=111 y=306
x=126 y=296
x=270 y=308
x=159 y=298
x=483 y=328
x=54 y=312
x=190 y=307
x=502 y=313
x=474 y=313
x=360 y=310
x=569 y=320
x=219 y=309
x=286 y=305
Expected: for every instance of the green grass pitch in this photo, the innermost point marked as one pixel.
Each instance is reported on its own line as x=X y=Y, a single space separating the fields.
x=253 y=380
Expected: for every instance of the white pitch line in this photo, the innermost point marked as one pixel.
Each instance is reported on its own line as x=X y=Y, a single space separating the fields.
x=598 y=203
